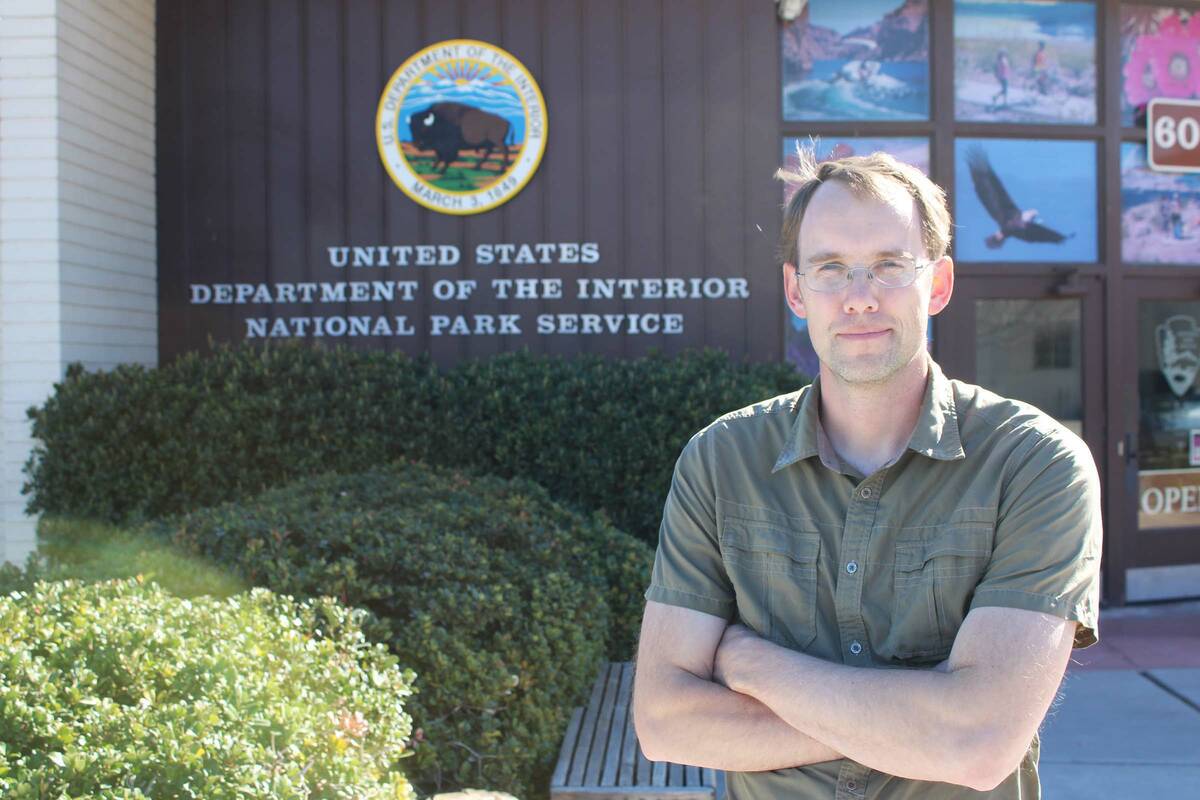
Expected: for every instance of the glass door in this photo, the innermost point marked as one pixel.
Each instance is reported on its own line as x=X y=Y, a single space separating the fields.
x=1160 y=443
x=1036 y=338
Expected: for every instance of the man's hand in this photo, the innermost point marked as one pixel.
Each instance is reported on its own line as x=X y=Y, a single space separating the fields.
x=735 y=656
x=683 y=715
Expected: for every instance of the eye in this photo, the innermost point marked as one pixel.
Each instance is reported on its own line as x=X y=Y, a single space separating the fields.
x=889 y=267
x=832 y=268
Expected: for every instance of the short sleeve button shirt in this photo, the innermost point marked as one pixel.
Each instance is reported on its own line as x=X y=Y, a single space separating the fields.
x=992 y=503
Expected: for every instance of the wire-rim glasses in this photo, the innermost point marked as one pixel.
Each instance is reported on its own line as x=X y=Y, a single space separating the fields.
x=890 y=273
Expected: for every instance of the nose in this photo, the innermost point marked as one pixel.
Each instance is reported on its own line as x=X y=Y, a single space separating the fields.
x=860 y=295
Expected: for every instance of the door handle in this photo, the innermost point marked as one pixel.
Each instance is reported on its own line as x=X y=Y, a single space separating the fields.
x=1126 y=447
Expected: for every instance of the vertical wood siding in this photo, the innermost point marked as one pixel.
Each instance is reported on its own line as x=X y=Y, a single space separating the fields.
x=663 y=136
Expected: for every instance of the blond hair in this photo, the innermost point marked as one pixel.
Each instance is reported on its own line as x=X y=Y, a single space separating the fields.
x=866 y=176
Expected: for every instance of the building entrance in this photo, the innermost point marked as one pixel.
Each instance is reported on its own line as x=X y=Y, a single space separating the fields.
x=1156 y=502
x=1039 y=339
x=1054 y=341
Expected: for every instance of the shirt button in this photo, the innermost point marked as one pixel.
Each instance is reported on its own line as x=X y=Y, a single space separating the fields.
x=865 y=493
x=851 y=785
x=852 y=567
x=855 y=649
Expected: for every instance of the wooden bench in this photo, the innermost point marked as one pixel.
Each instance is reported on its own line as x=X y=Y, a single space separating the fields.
x=601 y=759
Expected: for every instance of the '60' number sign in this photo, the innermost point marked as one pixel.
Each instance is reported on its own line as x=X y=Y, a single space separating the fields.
x=1174 y=135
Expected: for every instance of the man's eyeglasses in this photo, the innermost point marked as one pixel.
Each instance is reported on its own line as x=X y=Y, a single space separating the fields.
x=891 y=273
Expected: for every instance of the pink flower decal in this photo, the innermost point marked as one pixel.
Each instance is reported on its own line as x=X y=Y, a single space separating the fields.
x=1165 y=63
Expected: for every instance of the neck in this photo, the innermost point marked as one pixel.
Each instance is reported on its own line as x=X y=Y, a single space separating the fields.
x=869 y=424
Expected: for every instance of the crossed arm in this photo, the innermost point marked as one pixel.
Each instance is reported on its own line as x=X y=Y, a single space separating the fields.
x=719 y=696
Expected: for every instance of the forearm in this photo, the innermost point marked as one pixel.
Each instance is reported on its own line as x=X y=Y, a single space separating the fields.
x=686 y=719
x=908 y=723
x=969 y=721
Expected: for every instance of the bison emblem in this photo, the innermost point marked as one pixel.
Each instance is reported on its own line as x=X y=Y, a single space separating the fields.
x=448 y=128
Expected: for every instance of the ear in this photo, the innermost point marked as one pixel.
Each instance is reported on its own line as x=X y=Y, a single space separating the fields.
x=943 y=284
x=792 y=292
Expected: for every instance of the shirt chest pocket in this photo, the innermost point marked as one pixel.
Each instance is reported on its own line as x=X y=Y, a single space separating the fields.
x=935 y=579
x=774 y=574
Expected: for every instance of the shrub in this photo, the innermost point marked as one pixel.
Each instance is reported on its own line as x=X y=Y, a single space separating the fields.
x=494 y=594
x=134 y=443
x=598 y=433
x=120 y=690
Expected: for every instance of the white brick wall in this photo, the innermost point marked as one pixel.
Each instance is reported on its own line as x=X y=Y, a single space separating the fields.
x=77 y=210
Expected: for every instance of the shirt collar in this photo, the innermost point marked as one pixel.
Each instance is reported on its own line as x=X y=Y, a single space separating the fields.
x=936 y=434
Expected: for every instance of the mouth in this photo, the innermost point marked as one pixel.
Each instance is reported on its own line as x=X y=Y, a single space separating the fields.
x=859 y=336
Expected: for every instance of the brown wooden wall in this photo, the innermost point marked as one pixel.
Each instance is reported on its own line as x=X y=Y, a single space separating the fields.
x=663 y=136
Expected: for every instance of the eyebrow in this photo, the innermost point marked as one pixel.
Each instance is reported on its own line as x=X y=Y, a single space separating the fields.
x=823 y=257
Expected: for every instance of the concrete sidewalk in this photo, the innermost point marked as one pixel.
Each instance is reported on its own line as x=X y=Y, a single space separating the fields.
x=1127 y=725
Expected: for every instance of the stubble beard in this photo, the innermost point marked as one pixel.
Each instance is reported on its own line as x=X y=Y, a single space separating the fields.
x=870 y=369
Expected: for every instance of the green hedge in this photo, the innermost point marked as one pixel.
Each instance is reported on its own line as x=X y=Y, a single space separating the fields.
x=598 y=433
x=120 y=690
x=498 y=597
x=135 y=444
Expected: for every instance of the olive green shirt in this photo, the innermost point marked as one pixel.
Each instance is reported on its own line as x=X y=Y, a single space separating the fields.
x=992 y=503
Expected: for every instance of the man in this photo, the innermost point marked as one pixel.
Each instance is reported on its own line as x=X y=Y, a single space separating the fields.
x=1039 y=69
x=1176 y=216
x=869 y=588
x=1002 y=69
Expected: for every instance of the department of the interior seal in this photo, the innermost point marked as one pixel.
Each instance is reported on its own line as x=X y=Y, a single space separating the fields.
x=461 y=126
